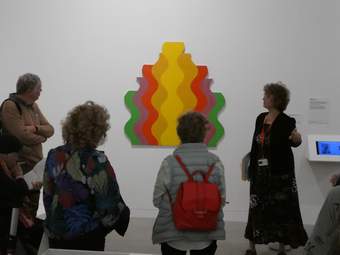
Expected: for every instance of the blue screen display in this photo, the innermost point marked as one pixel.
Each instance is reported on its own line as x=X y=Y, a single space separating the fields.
x=330 y=148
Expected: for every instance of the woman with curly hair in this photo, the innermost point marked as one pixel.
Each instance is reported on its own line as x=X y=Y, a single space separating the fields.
x=274 y=212
x=81 y=193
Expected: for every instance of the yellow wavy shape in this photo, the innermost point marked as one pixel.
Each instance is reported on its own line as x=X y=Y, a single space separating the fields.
x=171 y=79
x=190 y=72
x=159 y=96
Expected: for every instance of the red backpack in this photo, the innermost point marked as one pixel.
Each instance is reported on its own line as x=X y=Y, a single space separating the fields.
x=197 y=203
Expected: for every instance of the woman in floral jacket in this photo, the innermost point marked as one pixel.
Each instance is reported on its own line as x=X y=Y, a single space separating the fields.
x=81 y=193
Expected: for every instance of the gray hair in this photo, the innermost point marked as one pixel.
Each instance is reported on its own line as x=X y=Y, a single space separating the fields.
x=27 y=82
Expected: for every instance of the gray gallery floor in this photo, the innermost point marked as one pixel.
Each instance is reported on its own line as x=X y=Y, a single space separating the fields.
x=138 y=240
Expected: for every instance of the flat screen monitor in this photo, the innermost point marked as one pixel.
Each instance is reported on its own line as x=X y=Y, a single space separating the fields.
x=328 y=148
x=324 y=148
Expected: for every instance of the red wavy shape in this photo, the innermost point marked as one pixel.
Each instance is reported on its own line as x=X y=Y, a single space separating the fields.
x=196 y=88
x=146 y=99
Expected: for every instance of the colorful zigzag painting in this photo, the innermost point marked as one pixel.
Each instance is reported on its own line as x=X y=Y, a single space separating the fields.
x=172 y=86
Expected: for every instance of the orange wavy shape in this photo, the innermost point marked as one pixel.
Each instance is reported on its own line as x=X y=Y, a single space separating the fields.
x=159 y=96
x=146 y=99
x=184 y=91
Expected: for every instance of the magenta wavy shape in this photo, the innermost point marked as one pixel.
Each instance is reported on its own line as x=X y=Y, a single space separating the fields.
x=211 y=101
x=209 y=96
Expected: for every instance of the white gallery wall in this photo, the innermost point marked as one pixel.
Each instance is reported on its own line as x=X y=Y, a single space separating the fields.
x=94 y=50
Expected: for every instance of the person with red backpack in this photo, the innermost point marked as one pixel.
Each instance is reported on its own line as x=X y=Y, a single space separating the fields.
x=190 y=193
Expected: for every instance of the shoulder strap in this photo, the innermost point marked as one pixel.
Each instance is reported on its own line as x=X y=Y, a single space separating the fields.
x=18 y=107
x=186 y=171
x=2 y=131
x=16 y=104
x=207 y=175
x=183 y=166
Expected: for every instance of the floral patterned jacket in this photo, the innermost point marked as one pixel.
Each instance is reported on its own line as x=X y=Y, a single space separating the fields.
x=81 y=193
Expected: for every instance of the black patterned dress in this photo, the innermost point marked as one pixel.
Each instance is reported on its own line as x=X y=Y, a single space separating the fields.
x=274 y=212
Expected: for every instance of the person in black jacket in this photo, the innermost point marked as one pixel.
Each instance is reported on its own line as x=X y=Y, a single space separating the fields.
x=274 y=212
x=13 y=186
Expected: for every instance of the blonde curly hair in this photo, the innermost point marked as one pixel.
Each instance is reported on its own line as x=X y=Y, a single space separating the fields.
x=86 y=125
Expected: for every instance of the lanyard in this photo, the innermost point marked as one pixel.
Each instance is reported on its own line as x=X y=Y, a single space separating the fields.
x=262 y=136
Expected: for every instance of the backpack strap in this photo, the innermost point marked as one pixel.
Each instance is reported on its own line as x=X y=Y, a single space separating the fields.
x=207 y=175
x=184 y=168
x=18 y=106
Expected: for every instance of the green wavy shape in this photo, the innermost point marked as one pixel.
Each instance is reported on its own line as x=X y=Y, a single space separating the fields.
x=220 y=103
x=135 y=115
